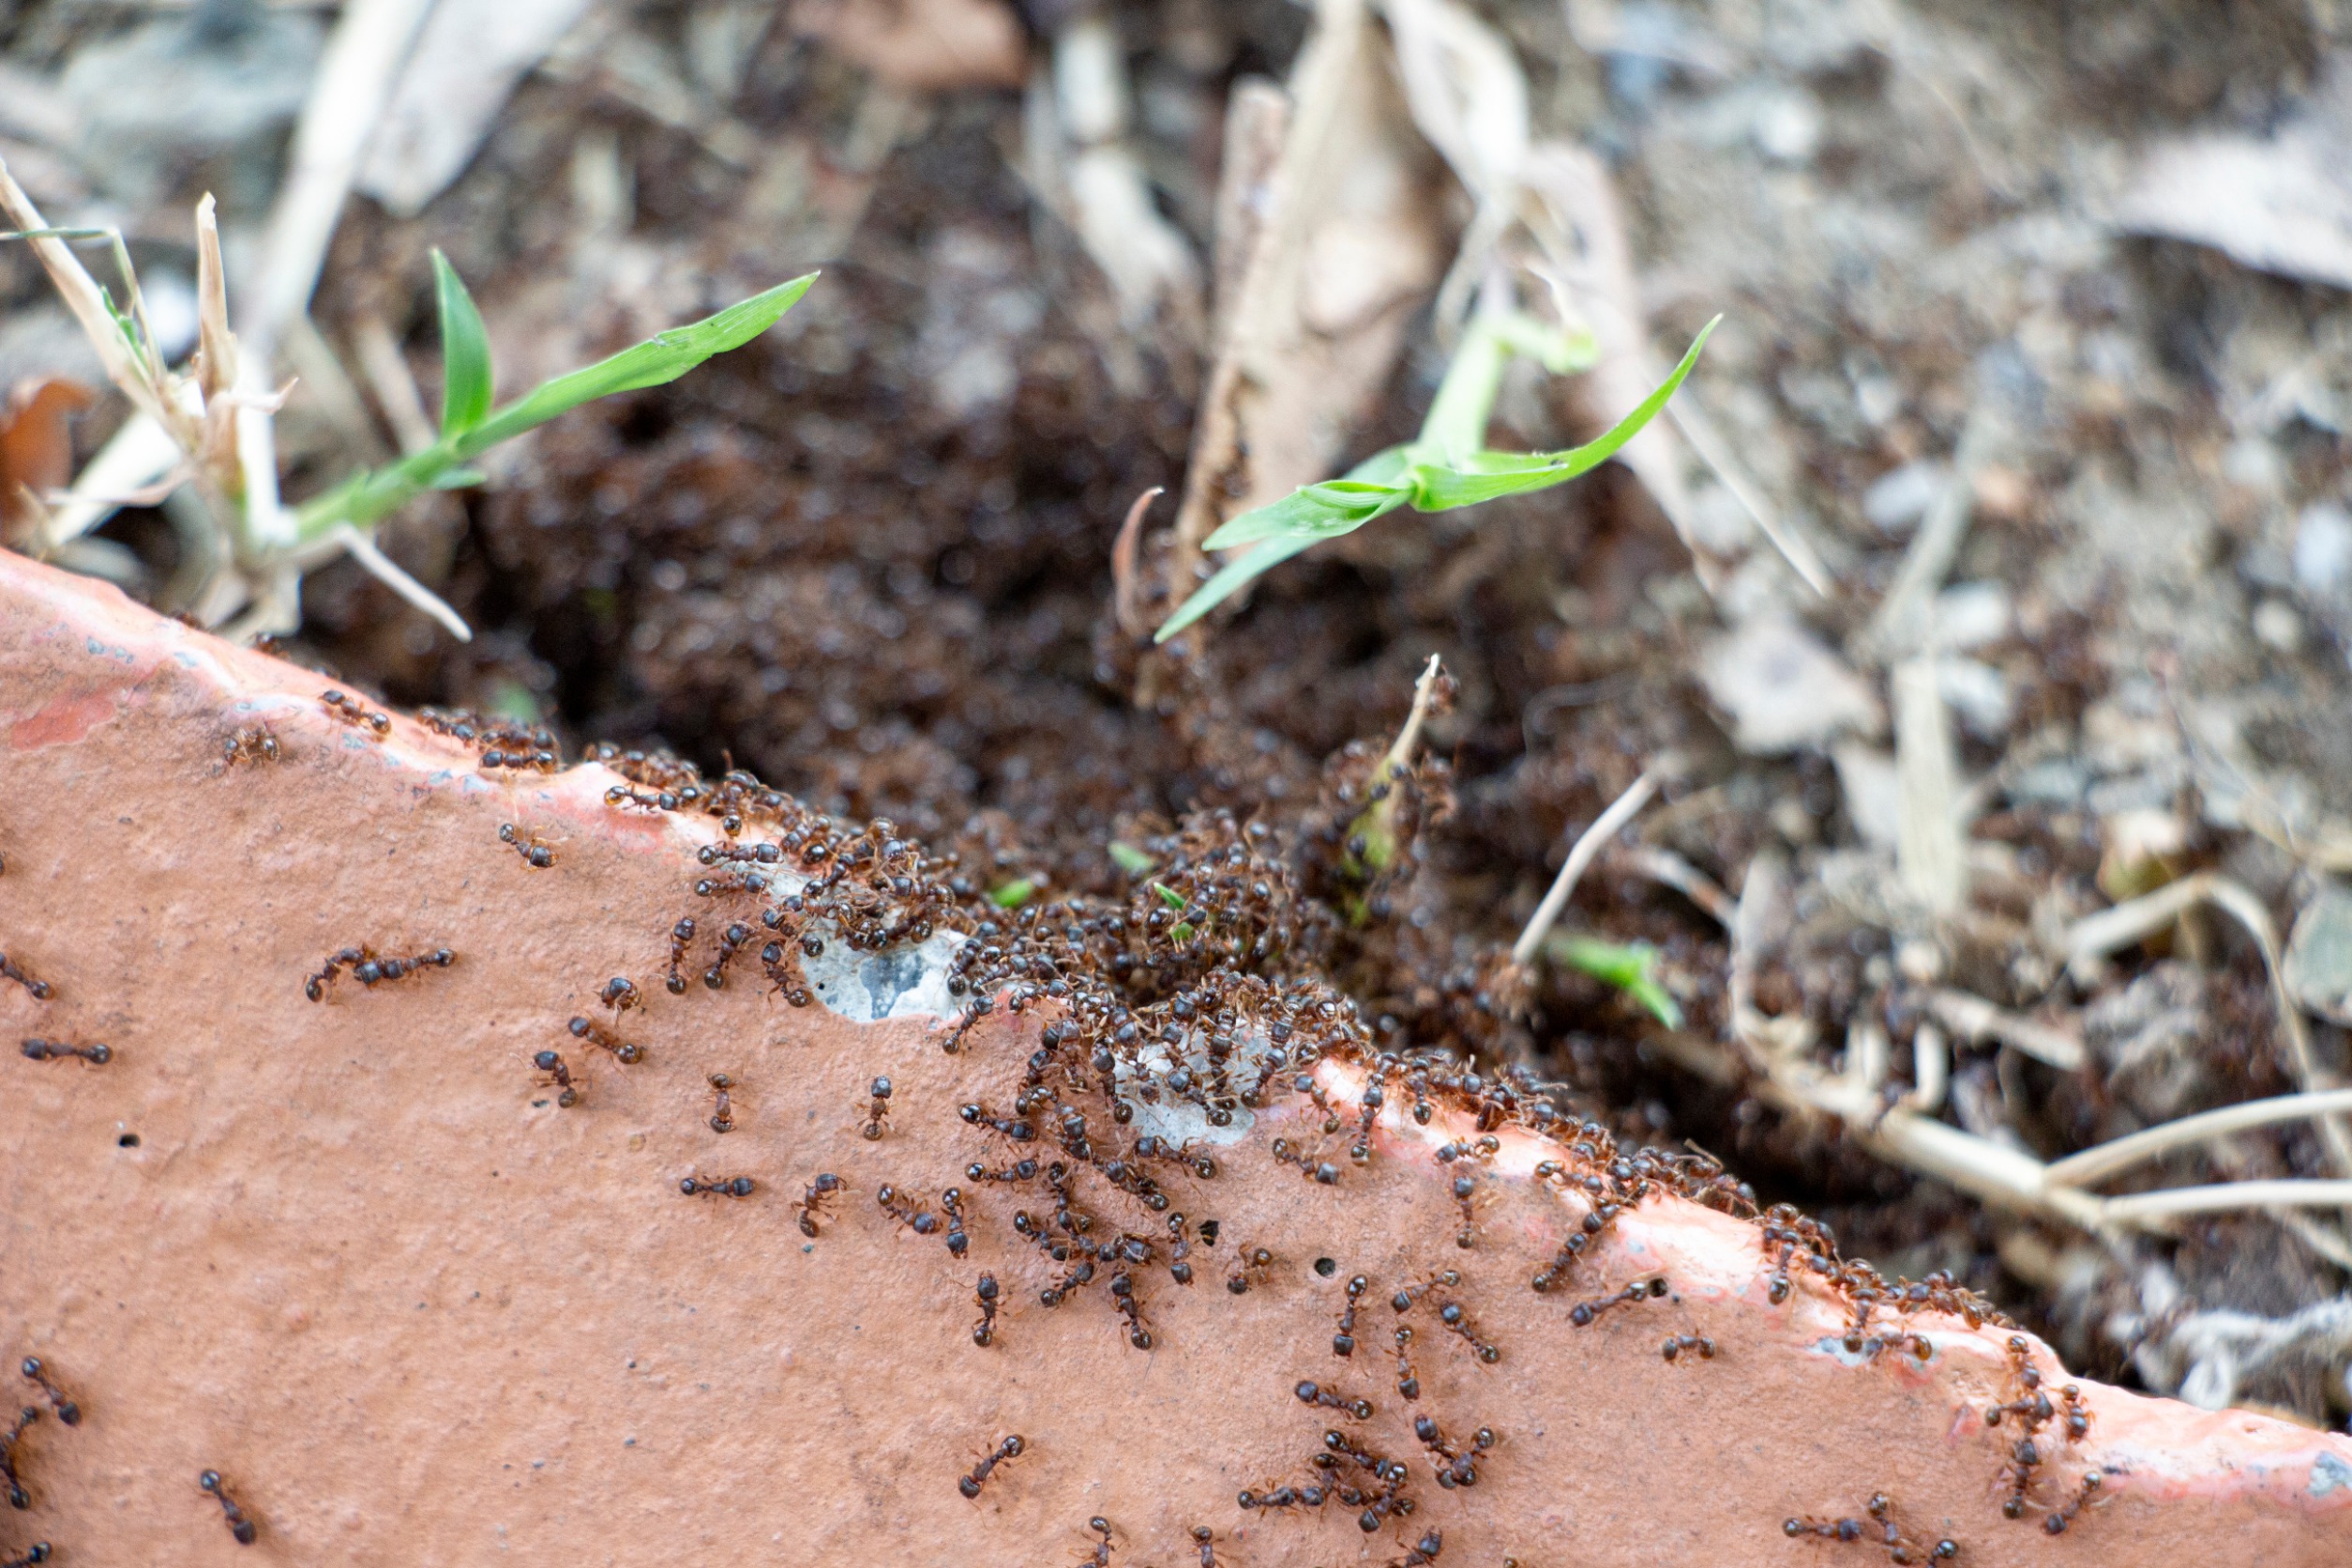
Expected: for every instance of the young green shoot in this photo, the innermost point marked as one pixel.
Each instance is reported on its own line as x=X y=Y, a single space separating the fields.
x=1631 y=967
x=1130 y=859
x=1013 y=895
x=1182 y=931
x=1445 y=467
x=469 y=428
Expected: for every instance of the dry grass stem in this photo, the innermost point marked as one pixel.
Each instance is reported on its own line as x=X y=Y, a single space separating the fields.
x=1580 y=857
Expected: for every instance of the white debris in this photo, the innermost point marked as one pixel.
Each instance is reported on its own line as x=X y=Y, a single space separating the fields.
x=1897 y=500
x=1783 y=690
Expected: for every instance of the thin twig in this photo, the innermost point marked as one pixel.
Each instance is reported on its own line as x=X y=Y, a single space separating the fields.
x=1122 y=564
x=363 y=549
x=1700 y=431
x=2103 y=1160
x=2224 y=1196
x=1605 y=827
x=1979 y=1019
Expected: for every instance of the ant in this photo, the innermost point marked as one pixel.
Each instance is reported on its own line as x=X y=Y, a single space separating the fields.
x=984 y=1332
x=620 y=993
x=878 y=1107
x=1312 y=1392
x=1009 y=1449
x=1641 y=1290
x=8 y=971
x=357 y=714
x=1122 y=1297
x=623 y=1052
x=240 y=1524
x=36 y=1552
x=1254 y=1260
x=723 y=1114
x=2055 y=1523
x=811 y=1201
x=18 y=1496
x=1466 y=1186
x=371 y=970
x=1596 y=1220
x=1408 y=1380
x=252 y=743
x=1458 y=1468
x=1324 y=1171
x=920 y=1221
x=1901 y=1548
x=559 y=1076
x=1681 y=1342
x=57 y=1050
x=951 y=1203
x=723 y=1186
x=681 y=936
x=1344 y=1342
x=1206 y=1540
x=67 y=1412
x=731 y=941
x=1098 y=1555
x=534 y=849
x=1425 y=1550
x=1282 y=1497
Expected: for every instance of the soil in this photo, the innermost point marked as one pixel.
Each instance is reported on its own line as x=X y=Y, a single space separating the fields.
x=869 y=557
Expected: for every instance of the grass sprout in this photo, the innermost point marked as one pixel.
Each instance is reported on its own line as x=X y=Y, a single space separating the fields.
x=220 y=431
x=1445 y=467
x=1631 y=967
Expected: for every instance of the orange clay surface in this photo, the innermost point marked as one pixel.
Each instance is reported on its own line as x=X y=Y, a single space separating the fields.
x=358 y=1260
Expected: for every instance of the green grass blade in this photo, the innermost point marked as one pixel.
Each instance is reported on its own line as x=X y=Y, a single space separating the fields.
x=1323 y=511
x=1232 y=577
x=1630 y=966
x=466 y=384
x=1485 y=476
x=661 y=358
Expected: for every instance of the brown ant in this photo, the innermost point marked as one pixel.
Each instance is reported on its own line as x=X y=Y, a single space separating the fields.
x=8 y=971
x=1009 y=1449
x=951 y=1203
x=57 y=1050
x=1639 y=1291
x=623 y=1051
x=920 y=1221
x=1408 y=1380
x=1254 y=1260
x=811 y=1201
x=67 y=1412
x=1311 y=1392
x=1424 y=1551
x=252 y=743
x=1465 y=1185
x=878 y=1107
x=1282 y=1497
x=723 y=1114
x=559 y=1076
x=18 y=1496
x=1324 y=1171
x=36 y=1552
x=2055 y=1522
x=240 y=1524
x=1206 y=1540
x=620 y=993
x=1122 y=1297
x=722 y=1186
x=1344 y=1342
x=681 y=936
x=1681 y=1342
x=355 y=714
x=534 y=850
x=371 y=970
x=984 y=1332
x=1456 y=1321
x=731 y=941
x=1458 y=1468
x=1901 y=1548
x=1098 y=1555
